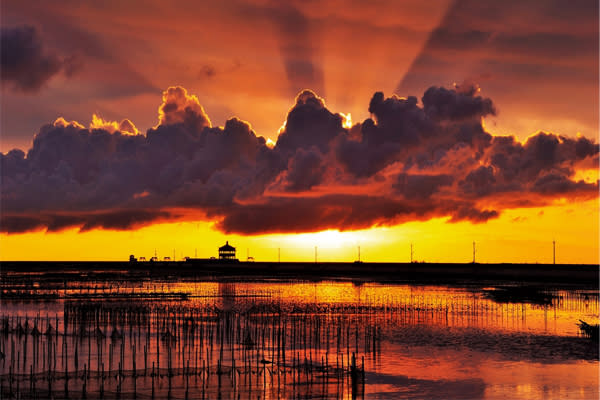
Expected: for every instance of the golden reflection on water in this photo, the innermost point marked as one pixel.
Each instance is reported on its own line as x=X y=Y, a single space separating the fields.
x=433 y=305
x=422 y=304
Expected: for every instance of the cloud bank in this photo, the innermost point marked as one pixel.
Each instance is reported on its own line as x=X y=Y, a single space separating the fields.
x=410 y=161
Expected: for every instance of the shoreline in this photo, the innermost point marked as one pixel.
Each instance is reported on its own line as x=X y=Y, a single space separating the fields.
x=579 y=274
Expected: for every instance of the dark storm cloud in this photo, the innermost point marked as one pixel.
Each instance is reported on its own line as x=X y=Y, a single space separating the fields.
x=309 y=123
x=343 y=212
x=113 y=220
x=408 y=162
x=479 y=182
x=554 y=183
x=183 y=162
x=305 y=170
x=545 y=164
x=25 y=62
x=80 y=49
x=403 y=131
x=420 y=186
x=441 y=103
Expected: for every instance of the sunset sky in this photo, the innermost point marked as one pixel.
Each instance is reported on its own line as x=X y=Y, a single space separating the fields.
x=133 y=126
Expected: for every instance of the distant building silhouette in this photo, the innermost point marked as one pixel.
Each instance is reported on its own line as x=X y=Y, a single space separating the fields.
x=227 y=252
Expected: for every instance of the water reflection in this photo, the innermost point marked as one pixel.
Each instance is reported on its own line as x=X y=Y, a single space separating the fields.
x=284 y=339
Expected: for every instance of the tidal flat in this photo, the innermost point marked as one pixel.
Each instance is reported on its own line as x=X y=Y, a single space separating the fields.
x=269 y=338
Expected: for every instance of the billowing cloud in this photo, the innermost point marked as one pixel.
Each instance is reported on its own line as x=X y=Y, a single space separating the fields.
x=179 y=107
x=309 y=123
x=26 y=64
x=458 y=104
x=410 y=161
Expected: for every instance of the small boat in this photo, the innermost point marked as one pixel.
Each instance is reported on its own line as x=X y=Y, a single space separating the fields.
x=590 y=331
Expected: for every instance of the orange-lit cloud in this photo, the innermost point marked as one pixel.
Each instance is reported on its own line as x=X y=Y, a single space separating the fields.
x=409 y=162
x=126 y=127
x=179 y=107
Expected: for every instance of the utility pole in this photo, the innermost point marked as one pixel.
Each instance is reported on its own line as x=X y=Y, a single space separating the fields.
x=279 y=254
x=315 y=254
x=411 y=253
x=554 y=252
x=473 y=252
x=358 y=253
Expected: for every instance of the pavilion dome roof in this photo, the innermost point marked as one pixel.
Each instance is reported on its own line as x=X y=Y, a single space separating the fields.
x=227 y=247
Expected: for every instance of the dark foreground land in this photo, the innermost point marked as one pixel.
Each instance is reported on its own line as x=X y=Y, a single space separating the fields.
x=587 y=275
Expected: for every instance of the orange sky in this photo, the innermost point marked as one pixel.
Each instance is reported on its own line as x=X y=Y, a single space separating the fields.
x=537 y=62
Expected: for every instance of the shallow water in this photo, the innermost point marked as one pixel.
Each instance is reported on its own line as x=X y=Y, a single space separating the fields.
x=417 y=341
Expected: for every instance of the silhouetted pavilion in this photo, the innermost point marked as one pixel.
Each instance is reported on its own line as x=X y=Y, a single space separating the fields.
x=227 y=252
